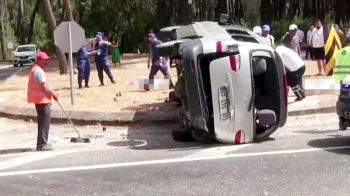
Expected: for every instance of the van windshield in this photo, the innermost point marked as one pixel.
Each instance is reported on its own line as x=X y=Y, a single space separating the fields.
x=26 y=49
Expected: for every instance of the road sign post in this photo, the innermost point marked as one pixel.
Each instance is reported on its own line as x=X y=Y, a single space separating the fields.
x=69 y=37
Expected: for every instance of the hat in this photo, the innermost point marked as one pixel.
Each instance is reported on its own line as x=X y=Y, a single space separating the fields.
x=293 y=27
x=266 y=28
x=98 y=34
x=257 y=30
x=43 y=56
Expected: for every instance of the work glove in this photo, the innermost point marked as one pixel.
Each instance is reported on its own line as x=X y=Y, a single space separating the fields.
x=55 y=96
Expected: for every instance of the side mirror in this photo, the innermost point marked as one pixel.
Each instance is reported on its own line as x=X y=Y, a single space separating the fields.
x=266 y=117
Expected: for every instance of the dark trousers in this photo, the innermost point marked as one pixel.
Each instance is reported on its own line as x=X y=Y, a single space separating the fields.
x=44 y=121
x=83 y=71
x=103 y=67
x=295 y=81
x=309 y=52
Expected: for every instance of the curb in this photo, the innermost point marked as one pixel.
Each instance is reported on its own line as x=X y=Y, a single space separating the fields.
x=323 y=110
x=89 y=117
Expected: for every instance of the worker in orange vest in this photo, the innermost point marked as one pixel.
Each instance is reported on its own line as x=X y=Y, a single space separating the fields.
x=40 y=93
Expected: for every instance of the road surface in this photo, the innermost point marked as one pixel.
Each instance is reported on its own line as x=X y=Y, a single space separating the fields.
x=7 y=70
x=306 y=157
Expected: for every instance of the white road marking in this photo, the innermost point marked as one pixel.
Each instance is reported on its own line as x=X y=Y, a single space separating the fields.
x=222 y=150
x=164 y=161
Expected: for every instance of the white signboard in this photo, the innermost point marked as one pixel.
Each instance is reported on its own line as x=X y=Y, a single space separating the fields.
x=9 y=45
x=61 y=36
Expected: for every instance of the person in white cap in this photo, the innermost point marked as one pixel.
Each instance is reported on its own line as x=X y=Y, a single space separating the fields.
x=257 y=30
x=291 y=40
x=295 y=69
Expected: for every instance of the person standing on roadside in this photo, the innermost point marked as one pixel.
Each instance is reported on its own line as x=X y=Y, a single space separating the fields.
x=342 y=62
x=159 y=63
x=83 y=64
x=295 y=67
x=317 y=47
x=101 y=58
x=266 y=34
x=291 y=40
x=147 y=39
x=308 y=41
x=40 y=93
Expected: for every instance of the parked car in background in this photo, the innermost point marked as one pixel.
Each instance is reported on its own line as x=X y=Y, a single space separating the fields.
x=25 y=55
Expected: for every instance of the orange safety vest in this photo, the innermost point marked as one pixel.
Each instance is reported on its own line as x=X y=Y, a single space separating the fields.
x=35 y=93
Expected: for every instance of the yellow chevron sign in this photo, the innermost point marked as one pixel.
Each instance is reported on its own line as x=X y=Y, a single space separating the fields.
x=332 y=46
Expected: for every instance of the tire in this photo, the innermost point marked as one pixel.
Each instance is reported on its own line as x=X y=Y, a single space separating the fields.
x=15 y=65
x=173 y=97
x=21 y=65
x=182 y=135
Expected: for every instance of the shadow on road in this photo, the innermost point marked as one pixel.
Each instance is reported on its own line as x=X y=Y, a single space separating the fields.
x=333 y=141
x=15 y=150
x=156 y=137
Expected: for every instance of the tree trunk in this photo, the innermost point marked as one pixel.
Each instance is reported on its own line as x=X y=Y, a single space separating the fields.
x=52 y=24
x=2 y=31
x=20 y=23
x=265 y=11
x=32 y=21
x=68 y=8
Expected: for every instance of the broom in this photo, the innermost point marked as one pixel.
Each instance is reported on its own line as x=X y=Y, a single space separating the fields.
x=78 y=139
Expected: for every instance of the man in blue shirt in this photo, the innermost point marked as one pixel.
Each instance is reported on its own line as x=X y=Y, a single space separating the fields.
x=159 y=63
x=101 y=58
x=83 y=65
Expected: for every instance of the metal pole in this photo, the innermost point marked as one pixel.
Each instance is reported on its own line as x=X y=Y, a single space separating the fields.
x=71 y=64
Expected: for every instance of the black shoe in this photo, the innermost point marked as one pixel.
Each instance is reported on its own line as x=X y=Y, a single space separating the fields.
x=113 y=81
x=87 y=86
x=44 y=148
x=101 y=84
x=299 y=98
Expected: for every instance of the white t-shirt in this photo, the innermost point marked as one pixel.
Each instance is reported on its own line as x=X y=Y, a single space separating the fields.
x=39 y=75
x=317 y=38
x=269 y=39
x=290 y=59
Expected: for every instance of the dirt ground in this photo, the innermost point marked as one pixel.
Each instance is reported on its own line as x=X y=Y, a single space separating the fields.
x=311 y=69
x=104 y=98
x=94 y=98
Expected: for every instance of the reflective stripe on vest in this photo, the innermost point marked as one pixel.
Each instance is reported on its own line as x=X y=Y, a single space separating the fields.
x=35 y=93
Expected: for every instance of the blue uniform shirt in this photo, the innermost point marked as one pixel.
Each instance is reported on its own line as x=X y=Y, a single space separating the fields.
x=82 y=54
x=102 y=57
x=154 y=53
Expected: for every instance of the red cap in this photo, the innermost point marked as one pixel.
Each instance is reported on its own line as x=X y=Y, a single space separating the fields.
x=43 y=56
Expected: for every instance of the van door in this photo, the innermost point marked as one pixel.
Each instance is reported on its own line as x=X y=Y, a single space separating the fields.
x=231 y=88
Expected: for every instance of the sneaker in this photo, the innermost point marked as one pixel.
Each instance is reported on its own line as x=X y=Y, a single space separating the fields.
x=44 y=148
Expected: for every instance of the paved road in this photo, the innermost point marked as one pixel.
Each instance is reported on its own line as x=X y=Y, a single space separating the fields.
x=7 y=71
x=306 y=157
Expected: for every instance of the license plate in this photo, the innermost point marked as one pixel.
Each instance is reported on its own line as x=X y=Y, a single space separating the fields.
x=347 y=114
x=223 y=103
